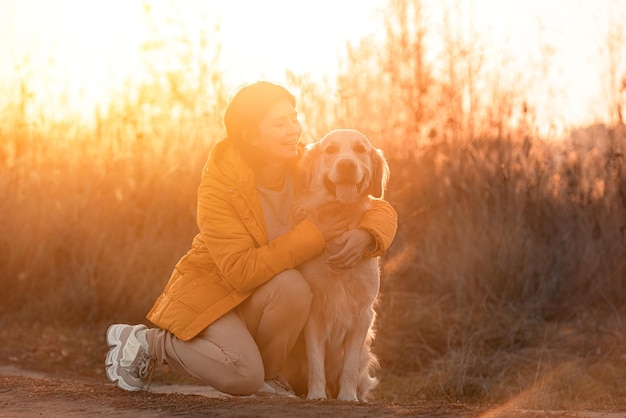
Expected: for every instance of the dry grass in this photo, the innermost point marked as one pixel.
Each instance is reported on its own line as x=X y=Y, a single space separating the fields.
x=94 y=223
x=506 y=279
x=505 y=282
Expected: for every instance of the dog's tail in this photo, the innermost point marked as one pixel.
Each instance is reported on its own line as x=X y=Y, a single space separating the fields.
x=369 y=366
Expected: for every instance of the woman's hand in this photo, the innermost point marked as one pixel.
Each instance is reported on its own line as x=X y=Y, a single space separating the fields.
x=352 y=246
x=330 y=220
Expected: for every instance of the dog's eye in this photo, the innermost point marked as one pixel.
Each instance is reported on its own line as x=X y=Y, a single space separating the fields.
x=359 y=148
x=332 y=149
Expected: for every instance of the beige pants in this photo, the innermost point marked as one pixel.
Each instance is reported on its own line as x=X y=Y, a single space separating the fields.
x=247 y=345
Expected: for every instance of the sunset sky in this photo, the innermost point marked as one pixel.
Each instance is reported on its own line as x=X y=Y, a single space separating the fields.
x=81 y=50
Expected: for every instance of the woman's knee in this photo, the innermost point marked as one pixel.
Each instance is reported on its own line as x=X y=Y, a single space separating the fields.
x=245 y=379
x=294 y=287
x=242 y=386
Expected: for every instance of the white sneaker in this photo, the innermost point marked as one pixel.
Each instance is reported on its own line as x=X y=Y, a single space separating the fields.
x=128 y=362
x=276 y=387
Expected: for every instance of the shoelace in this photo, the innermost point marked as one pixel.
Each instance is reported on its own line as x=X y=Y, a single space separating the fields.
x=281 y=384
x=146 y=365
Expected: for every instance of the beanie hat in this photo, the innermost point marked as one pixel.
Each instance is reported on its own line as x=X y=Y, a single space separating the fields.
x=250 y=105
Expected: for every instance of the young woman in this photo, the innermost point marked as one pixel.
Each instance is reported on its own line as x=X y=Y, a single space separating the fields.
x=235 y=304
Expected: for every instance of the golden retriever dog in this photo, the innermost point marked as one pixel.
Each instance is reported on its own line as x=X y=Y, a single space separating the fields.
x=343 y=168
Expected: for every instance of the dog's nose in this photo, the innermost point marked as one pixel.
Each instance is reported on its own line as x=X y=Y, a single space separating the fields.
x=346 y=167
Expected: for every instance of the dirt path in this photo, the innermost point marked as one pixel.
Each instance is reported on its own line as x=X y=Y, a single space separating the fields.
x=55 y=371
x=29 y=396
x=24 y=394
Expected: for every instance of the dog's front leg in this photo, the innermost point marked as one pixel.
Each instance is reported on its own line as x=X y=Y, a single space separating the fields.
x=316 y=351
x=353 y=347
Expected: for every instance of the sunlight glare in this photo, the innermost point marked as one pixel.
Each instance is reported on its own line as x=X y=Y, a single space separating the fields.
x=73 y=55
x=70 y=53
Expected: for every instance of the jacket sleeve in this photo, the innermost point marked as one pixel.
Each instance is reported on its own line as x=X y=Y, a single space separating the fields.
x=381 y=220
x=235 y=237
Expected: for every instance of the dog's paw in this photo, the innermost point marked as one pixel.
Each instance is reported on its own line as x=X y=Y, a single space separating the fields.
x=348 y=396
x=316 y=395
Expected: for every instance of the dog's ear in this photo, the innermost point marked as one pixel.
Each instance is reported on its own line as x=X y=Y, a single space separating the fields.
x=305 y=166
x=380 y=174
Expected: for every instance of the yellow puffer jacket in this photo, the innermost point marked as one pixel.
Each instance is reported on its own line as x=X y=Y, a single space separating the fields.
x=230 y=256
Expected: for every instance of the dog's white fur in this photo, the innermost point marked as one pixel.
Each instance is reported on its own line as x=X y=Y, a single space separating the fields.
x=343 y=167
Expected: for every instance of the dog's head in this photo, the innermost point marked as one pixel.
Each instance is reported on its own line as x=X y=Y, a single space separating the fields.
x=345 y=167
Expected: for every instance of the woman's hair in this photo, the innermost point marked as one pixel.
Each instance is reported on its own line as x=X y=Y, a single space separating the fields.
x=249 y=106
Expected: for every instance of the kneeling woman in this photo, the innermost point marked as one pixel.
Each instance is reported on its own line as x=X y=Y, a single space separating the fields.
x=235 y=304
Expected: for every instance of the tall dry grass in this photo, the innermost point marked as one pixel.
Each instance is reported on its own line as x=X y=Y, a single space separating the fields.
x=506 y=279
x=94 y=219
x=510 y=262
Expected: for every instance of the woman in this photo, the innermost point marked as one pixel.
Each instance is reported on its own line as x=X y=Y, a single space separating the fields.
x=235 y=304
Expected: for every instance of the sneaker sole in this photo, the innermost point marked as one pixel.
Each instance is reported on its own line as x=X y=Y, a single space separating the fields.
x=273 y=395
x=265 y=393
x=115 y=344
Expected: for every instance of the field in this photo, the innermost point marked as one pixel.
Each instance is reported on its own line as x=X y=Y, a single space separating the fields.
x=505 y=282
x=504 y=288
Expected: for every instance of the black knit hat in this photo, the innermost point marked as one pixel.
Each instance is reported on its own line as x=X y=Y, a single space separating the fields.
x=250 y=105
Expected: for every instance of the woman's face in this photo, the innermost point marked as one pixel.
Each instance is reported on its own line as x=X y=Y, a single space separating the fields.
x=276 y=140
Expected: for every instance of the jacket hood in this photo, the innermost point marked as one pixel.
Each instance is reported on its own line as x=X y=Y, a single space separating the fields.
x=230 y=167
x=233 y=170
